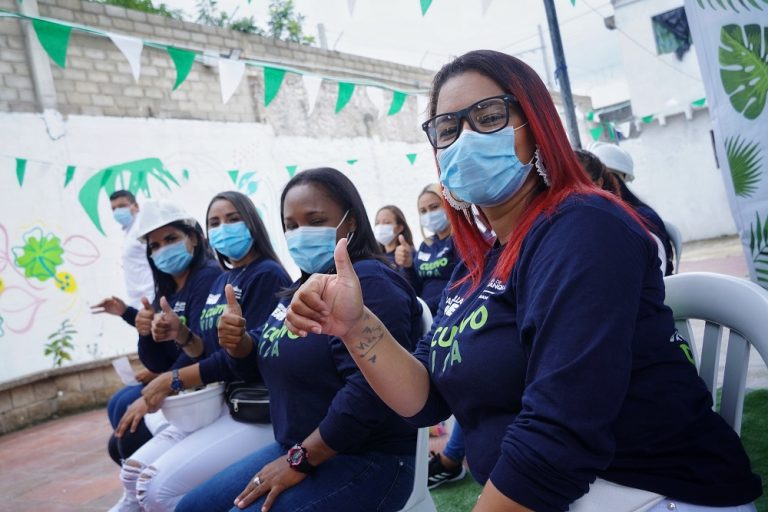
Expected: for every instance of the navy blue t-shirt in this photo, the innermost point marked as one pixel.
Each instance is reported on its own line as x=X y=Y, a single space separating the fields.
x=256 y=287
x=313 y=381
x=572 y=369
x=432 y=267
x=187 y=303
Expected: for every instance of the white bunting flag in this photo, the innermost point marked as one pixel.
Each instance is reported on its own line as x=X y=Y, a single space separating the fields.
x=231 y=72
x=312 y=86
x=130 y=47
x=376 y=95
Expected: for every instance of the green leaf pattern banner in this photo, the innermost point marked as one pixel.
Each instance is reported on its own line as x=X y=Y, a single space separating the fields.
x=732 y=47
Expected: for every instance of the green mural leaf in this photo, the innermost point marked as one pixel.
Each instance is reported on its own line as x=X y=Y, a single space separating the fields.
x=69 y=174
x=744 y=161
x=183 y=60
x=40 y=256
x=134 y=176
x=54 y=39
x=21 y=169
x=398 y=100
x=744 y=67
x=345 y=94
x=425 y=6
x=352 y=161
x=273 y=79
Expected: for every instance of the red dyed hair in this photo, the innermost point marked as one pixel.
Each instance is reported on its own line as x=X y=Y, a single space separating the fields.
x=565 y=174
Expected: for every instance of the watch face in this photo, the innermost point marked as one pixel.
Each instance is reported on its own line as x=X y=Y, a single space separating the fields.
x=295 y=455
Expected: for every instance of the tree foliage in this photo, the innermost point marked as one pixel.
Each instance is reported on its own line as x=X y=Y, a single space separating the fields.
x=145 y=6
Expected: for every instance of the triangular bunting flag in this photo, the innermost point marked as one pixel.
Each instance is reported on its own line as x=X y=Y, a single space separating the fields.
x=312 y=85
x=485 y=5
x=273 y=79
x=351 y=6
x=233 y=176
x=596 y=132
x=647 y=119
x=351 y=162
x=69 y=174
x=573 y=3
x=21 y=168
x=54 y=38
x=183 y=60
x=376 y=95
x=411 y=157
x=591 y=115
x=425 y=6
x=699 y=103
x=131 y=48
x=398 y=100
x=231 y=72
x=345 y=94
x=291 y=170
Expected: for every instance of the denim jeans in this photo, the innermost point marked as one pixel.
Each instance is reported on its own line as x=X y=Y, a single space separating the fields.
x=366 y=483
x=120 y=401
x=454 y=450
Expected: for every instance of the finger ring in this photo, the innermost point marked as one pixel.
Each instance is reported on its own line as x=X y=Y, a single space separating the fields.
x=257 y=480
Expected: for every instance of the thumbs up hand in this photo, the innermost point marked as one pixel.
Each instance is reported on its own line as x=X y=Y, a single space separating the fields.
x=403 y=253
x=165 y=325
x=144 y=318
x=231 y=329
x=328 y=304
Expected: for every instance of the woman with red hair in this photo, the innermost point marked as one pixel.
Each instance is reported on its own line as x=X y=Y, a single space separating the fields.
x=552 y=345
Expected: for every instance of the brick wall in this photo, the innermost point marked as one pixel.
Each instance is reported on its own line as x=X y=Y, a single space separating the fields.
x=97 y=80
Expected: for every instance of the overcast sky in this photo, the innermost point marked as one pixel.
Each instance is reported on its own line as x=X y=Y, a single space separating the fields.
x=395 y=30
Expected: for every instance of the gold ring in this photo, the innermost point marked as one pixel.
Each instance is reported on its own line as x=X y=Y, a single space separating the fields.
x=257 y=480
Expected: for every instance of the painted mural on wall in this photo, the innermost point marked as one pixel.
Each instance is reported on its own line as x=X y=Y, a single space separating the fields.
x=731 y=39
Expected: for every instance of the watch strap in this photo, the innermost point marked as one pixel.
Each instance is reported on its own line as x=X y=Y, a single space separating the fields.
x=177 y=385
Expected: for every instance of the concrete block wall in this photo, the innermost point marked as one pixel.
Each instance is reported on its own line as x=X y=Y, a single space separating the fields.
x=97 y=79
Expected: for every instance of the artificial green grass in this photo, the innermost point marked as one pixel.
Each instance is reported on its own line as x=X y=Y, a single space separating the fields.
x=461 y=496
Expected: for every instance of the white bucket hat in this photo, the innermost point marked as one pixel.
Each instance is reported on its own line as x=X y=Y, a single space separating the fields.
x=156 y=214
x=614 y=158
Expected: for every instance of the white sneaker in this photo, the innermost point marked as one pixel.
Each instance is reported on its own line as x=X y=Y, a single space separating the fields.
x=128 y=503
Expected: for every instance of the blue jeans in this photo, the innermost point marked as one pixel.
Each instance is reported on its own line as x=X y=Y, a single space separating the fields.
x=366 y=483
x=454 y=450
x=119 y=402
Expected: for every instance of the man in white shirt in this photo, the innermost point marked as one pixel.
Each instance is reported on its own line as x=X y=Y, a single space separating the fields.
x=136 y=271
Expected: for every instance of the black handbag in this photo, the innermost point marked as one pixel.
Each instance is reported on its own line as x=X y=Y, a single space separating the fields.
x=248 y=402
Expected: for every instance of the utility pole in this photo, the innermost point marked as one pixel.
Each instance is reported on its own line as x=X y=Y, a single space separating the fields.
x=561 y=74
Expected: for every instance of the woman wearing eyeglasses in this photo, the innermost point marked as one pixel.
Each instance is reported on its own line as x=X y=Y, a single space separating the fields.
x=552 y=345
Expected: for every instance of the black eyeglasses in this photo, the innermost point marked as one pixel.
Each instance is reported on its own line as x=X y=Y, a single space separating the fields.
x=486 y=116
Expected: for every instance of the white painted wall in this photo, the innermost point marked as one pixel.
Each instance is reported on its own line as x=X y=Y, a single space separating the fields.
x=31 y=309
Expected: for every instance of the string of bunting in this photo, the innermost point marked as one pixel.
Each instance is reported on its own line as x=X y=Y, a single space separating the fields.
x=54 y=37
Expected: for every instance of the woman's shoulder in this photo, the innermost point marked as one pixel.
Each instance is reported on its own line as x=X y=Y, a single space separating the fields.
x=589 y=210
x=268 y=266
x=207 y=272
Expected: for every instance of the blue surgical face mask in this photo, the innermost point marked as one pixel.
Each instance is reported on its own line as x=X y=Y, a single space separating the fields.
x=311 y=247
x=172 y=259
x=123 y=215
x=232 y=240
x=436 y=221
x=482 y=168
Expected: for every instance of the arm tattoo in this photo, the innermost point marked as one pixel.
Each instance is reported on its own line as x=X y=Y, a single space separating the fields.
x=372 y=334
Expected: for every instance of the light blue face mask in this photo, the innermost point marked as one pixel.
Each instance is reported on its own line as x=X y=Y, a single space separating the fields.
x=436 y=221
x=233 y=240
x=311 y=247
x=123 y=215
x=172 y=259
x=482 y=168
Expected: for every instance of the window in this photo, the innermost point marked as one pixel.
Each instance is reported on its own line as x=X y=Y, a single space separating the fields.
x=670 y=29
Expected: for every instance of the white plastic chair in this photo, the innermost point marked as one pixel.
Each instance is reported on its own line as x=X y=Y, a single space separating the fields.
x=676 y=237
x=722 y=302
x=420 y=499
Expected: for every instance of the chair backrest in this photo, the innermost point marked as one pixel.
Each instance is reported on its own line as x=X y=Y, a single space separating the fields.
x=722 y=302
x=420 y=499
x=676 y=237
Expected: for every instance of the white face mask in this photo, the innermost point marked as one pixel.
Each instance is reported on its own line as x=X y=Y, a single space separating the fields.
x=384 y=233
x=436 y=221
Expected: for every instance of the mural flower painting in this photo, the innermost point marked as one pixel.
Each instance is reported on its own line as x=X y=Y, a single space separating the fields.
x=40 y=255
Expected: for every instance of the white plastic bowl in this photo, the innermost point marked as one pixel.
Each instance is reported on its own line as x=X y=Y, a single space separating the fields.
x=193 y=410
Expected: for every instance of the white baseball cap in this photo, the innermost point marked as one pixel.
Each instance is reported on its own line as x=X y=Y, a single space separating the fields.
x=614 y=158
x=156 y=214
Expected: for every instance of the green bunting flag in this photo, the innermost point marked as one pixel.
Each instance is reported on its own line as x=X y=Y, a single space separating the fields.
x=352 y=162
x=647 y=119
x=69 y=174
x=183 y=60
x=573 y=3
x=591 y=115
x=21 y=168
x=54 y=39
x=345 y=94
x=425 y=6
x=411 y=157
x=699 y=103
x=233 y=176
x=185 y=174
x=398 y=100
x=273 y=79
x=291 y=170
x=596 y=132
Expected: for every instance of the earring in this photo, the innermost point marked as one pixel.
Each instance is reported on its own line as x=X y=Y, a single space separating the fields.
x=456 y=204
x=539 y=165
